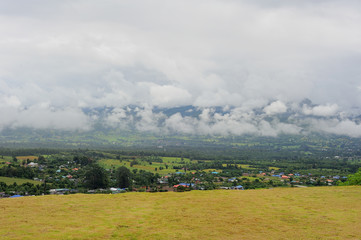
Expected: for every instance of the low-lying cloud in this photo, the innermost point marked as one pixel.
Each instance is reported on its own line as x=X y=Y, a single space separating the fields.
x=44 y=117
x=234 y=121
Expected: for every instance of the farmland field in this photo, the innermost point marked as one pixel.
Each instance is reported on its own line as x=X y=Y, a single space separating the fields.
x=19 y=181
x=144 y=165
x=31 y=158
x=283 y=213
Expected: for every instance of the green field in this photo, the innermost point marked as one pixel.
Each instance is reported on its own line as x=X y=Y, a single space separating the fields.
x=5 y=159
x=108 y=163
x=18 y=181
x=283 y=213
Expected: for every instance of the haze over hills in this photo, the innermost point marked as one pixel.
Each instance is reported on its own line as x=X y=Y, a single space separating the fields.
x=304 y=126
x=272 y=119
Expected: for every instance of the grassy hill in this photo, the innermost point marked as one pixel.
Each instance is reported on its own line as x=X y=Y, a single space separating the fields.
x=283 y=213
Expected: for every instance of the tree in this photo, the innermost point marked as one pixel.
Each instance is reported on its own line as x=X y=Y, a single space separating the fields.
x=134 y=162
x=41 y=159
x=123 y=176
x=353 y=179
x=96 y=177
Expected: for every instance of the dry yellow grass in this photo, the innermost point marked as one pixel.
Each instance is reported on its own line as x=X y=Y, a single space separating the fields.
x=31 y=158
x=302 y=213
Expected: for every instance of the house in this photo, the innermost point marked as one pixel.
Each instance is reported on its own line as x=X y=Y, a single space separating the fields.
x=183 y=185
x=163 y=180
x=15 y=196
x=32 y=164
x=59 y=191
x=117 y=190
x=232 y=179
x=177 y=189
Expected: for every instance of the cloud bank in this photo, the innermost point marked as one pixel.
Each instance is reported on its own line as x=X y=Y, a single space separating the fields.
x=273 y=119
x=259 y=58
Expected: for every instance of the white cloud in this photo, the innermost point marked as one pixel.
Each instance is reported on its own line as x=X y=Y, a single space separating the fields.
x=44 y=117
x=11 y=101
x=169 y=96
x=236 y=122
x=335 y=126
x=321 y=110
x=177 y=123
x=118 y=118
x=275 y=107
x=148 y=121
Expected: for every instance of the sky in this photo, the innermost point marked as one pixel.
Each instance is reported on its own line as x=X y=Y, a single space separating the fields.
x=59 y=57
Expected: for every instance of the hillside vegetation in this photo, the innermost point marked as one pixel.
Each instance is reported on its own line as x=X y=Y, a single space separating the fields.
x=283 y=213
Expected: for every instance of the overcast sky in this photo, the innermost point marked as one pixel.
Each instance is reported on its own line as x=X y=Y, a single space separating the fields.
x=58 y=57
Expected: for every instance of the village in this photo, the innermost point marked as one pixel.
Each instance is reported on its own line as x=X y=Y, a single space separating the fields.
x=67 y=175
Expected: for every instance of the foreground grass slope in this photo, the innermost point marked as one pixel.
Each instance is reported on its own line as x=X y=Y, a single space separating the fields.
x=288 y=213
